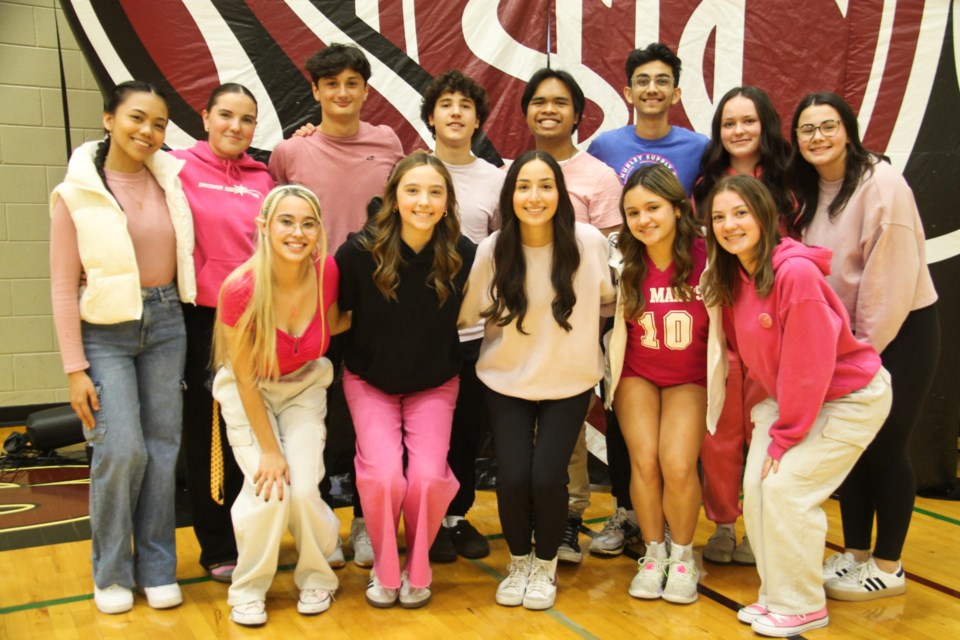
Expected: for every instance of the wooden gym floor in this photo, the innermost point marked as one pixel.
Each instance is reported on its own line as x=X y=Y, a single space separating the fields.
x=47 y=590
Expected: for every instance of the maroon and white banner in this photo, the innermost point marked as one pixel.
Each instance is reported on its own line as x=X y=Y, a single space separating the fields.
x=895 y=61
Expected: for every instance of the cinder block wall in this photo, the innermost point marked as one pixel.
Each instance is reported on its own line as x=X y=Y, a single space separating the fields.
x=32 y=161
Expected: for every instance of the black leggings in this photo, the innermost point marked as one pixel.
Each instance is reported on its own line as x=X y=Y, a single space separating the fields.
x=882 y=481
x=534 y=441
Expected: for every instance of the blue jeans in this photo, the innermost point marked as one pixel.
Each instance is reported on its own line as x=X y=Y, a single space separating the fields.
x=137 y=370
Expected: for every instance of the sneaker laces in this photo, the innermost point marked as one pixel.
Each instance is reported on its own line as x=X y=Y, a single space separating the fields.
x=254 y=606
x=539 y=580
x=319 y=595
x=615 y=522
x=645 y=560
x=571 y=535
x=518 y=569
x=684 y=568
x=361 y=535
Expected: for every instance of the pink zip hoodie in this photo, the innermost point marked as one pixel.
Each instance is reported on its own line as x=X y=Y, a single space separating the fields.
x=796 y=342
x=225 y=197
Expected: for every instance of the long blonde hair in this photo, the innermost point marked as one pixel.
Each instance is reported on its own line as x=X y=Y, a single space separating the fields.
x=257 y=324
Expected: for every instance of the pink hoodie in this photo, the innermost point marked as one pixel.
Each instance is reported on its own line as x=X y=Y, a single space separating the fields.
x=796 y=342
x=225 y=197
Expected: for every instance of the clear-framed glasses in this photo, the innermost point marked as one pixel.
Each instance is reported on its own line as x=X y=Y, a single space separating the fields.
x=828 y=128
x=661 y=82
x=309 y=226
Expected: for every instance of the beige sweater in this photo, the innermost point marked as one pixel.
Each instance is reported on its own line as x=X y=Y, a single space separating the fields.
x=879 y=267
x=546 y=362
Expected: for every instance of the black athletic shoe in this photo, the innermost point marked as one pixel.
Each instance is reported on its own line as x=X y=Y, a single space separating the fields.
x=442 y=549
x=469 y=542
x=569 y=550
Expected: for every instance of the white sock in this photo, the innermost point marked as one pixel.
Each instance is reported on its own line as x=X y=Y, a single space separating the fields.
x=682 y=552
x=727 y=527
x=657 y=550
x=451 y=521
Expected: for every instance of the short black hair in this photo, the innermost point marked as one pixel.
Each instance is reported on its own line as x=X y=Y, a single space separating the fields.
x=653 y=51
x=336 y=58
x=454 y=81
x=576 y=93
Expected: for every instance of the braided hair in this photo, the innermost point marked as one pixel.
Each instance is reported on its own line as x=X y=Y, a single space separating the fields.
x=117 y=97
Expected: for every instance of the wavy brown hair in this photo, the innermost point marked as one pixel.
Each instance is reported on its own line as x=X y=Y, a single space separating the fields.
x=661 y=181
x=508 y=285
x=382 y=238
x=723 y=276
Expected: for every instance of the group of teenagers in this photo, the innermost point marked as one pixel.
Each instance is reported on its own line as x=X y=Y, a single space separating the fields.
x=737 y=292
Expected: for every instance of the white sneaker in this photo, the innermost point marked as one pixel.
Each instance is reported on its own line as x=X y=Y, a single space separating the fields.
x=511 y=589
x=113 y=599
x=681 y=585
x=618 y=531
x=867 y=582
x=648 y=583
x=541 y=590
x=412 y=597
x=839 y=565
x=336 y=559
x=379 y=596
x=250 y=614
x=360 y=541
x=164 y=596
x=314 y=601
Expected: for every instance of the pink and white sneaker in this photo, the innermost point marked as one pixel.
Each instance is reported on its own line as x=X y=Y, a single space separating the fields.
x=751 y=612
x=783 y=626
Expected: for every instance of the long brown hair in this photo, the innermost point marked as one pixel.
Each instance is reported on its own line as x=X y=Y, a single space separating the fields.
x=723 y=276
x=661 y=181
x=508 y=285
x=384 y=241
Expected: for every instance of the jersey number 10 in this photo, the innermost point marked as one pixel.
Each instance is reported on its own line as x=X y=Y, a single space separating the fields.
x=677 y=330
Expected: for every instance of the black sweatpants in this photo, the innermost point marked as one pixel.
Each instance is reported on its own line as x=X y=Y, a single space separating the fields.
x=211 y=521
x=469 y=426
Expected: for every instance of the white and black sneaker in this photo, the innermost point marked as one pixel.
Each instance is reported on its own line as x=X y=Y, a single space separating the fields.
x=867 y=583
x=839 y=565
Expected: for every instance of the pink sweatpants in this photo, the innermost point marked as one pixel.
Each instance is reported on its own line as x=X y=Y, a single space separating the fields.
x=386 y=424
x=721 y=455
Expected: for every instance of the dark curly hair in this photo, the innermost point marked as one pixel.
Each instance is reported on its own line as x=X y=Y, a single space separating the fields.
x=454 y=81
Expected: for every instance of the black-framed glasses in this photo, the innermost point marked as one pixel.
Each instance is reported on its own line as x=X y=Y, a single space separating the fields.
x=828 y=128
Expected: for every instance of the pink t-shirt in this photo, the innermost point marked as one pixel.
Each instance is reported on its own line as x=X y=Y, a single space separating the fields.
x=154 y=243
x=594 y=190
x=292 y=351
x=668 y=344
x=345 y=173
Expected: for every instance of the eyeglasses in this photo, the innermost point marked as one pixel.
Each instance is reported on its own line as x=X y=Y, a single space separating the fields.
x=309 y=226
x=662 y=82
x=828 y=128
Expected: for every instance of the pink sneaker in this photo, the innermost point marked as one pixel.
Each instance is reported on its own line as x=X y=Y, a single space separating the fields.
x=783 y=626
x=751 y=612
